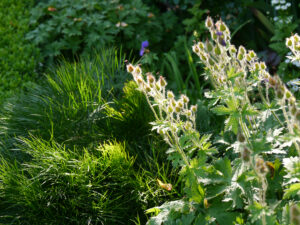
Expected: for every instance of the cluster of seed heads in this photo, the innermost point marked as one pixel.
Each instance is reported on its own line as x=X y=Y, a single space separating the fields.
x=293 y=43
x=170 y=109
x=221 y=56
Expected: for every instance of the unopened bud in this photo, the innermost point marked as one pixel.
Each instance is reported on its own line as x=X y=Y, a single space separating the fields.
x=222 y=27
x=209 y=22
x=157 y=86
x=194 y=108
x=217 y=50
x=289 y=42
x=185 y=99
x=248 y=58
x=196 y=49
x=151 y=79
x=138 y=70
x=170 y=109
x=180 y=104
x=173 y=102
x=162 y=81
x=130 y=68
x=189 y=113
x=288 y=94
x=240 y=56
x=177 y=109
x=272 y=81
x=242 y=50
x=252 y=54
x=201 y=45
x=233 y=49
x=170 y=94
x=209 y=46
x=147 y=88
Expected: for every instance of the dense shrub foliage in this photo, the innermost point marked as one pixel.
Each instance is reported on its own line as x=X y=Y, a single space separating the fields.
x=18 y=56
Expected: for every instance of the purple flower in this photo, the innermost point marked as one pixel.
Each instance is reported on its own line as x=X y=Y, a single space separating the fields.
x=219 y=33
x=144 y=45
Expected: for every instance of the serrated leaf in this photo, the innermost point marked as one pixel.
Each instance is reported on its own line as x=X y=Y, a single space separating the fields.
x=292 y=191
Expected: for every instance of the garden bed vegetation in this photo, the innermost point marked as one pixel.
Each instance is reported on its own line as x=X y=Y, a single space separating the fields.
x=150 y=112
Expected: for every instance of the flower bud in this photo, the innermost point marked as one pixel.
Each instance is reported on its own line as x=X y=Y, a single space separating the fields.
x=130 y=68
x=209 y=46
x=162 y=81
x=288 y=94
x=272 y=81
x=222 y=26
x=189 y=113
x=138 y=70
x=242 y=50
x=256 y=66
x=196 y=49
x=240 y=56
x=201 y=45
x=203 y=57
x=252 y=54
x=140 y=80
x=248 y=58
x=150 y=79
x=233 y=49
x=288 y=42
x=217 y=50
x=296 y=38
x=170 y=94
x=147 y=88
x=184 y=98
x=263 y=66
x=209 y=22
x=194 y=108
x=170 y=108
x=177 y=109
x=173 y=102
x=180 y=104
x=157 y=86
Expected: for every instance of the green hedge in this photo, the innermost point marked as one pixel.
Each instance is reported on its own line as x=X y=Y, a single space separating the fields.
x=18 y=57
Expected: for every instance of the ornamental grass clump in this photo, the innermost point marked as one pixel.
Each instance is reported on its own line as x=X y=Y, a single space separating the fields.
x=256 y=179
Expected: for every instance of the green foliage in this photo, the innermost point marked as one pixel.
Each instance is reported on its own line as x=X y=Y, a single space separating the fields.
x=70 y=105
x=63 y=186
x=74 y=27
x=18 y=57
